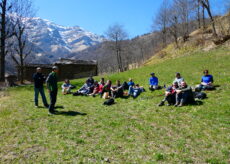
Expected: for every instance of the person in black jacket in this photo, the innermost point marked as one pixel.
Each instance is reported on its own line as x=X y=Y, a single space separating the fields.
x=39 y=80
x=184 y=95
x=51 y=82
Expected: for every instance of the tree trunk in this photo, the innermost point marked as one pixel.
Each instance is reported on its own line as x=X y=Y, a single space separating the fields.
x=22 y=74
x=3 y=38
x=203 y=17
x=198 y=14
x=213 y=22
x=164 y=37
x=207 y=7
x=142 y=55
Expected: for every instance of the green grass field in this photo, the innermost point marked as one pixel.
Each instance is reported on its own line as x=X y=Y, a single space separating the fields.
x=130 y=131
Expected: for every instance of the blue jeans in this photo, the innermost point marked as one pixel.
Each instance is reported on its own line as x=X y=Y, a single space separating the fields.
x=134 y=91
x=36 y=93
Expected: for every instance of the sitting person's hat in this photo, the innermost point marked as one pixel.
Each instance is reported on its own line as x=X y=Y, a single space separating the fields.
x=152 y=73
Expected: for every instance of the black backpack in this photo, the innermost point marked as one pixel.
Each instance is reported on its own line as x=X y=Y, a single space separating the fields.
x=109 y=102
x=200 y=95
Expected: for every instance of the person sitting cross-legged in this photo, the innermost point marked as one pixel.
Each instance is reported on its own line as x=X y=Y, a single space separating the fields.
x=101 y=85
x=184 y=95
x=178 y=79
x=96 y=88
x=135 y=91
x=206 y=82
x=91 y=83
x=85 y=89
x=106 y=88
x=66 y=87
x=153 y=82
x=131 y=83
x=170 y=95
x=117 y=90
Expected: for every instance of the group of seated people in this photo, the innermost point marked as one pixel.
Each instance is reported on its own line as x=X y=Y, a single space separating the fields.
x=178 y=94
x=92 y=87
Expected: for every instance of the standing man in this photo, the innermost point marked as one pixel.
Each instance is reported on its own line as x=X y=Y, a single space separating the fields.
x=52 y=88
x=39 y=80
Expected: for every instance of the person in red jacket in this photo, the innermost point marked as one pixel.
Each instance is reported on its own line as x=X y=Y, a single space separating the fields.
x=170 y=95
x=106 y=88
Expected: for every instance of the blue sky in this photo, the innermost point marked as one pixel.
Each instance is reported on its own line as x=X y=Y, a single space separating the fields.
x=97 y=15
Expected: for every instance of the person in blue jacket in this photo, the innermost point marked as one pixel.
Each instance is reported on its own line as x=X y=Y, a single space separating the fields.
x=131 y=83
x=206 y=81
x=153 y=82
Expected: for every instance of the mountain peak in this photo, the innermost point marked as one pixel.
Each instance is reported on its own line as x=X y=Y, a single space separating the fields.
x=51 y=39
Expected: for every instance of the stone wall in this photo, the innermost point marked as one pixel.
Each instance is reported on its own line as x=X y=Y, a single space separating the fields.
x=31 y=69
x=66 y=71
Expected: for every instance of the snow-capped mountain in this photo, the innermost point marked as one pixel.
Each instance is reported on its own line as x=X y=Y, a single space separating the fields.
x=50 y=41
x=54 y=41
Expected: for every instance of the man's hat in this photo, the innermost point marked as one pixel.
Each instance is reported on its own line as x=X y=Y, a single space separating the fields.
x=152 y=73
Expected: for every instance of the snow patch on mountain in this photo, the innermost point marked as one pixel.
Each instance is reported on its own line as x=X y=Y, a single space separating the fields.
x=59 y=41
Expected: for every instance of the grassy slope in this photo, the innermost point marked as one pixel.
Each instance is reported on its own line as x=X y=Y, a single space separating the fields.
x=131 y=131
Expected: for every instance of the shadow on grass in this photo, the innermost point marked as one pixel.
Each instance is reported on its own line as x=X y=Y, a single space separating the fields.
x=197 y=103
x=216 y=86
x=124 y=97
x=42 y=107
x=59 y=107
x=70 y=113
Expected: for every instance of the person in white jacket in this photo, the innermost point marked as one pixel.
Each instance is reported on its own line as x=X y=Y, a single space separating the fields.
x=66 y=87
x=178 y=79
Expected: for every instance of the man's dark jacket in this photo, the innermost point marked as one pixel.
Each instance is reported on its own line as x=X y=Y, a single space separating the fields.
x=39 y=80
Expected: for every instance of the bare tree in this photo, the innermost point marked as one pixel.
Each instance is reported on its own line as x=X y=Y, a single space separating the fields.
x=21 y=47
x=198 y=13
x=161 y=20
x=117 y=34
x=203 y=17
x=173 y=23
x=206 y=5
x=227 y=4
x=6 y=31
x=141 y=47
x=183 y=8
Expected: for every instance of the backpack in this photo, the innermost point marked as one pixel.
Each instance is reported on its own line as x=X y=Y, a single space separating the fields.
x=200 y=95
x=109 y=102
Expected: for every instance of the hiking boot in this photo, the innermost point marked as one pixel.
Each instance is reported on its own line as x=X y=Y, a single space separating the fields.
x=47 y=106
x=161 y=103
x=176 y=104
x=51 y=113
x=180 y=105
